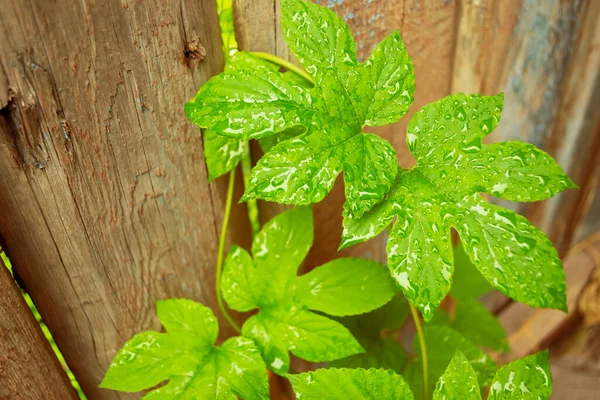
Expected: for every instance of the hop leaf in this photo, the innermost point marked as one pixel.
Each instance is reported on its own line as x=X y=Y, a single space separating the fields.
x=355 y=384
x=269 y=282
x=187 y=357
x=223 y=153
x=527 y=378
x=474 y=322
x=442 y=191
x=372 y=330
x=442 y=344
x=347 y=96
x=467 y=281
x=458 y=382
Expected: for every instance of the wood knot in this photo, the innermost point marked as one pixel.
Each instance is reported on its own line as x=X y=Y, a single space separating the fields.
x=194 y=51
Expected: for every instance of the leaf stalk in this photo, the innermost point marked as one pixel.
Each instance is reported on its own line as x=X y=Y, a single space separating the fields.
x=283 y=63
x=252 y=204
x=423 y=344
x=221 y=252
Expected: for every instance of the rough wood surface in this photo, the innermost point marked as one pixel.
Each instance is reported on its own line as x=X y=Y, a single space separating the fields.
x=572 y=383
x=575 y=357
x=104 y=200
x=29 y=369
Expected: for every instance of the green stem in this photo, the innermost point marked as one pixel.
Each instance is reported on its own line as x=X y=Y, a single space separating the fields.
x=283 y=63
x=222 y=251
x=415 y=315
x=251 y=204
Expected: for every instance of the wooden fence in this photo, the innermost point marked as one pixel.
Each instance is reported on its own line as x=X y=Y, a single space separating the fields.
x=105 y=205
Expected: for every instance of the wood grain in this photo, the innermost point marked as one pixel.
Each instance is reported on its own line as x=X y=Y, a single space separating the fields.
x=29 y=369
x=104 y=200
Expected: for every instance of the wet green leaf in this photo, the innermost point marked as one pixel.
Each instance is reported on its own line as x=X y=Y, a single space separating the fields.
x=478 y=325
x=442 y=191
x=387 y=353
x=258 y=102
x=467 y=281
x=375 y=332
x=346 y=286
x=413 y=375
x=268 y=142
x=345 y=384
x=268 y=281
x=187 y=357
x=474 y=322
x=248 y=104
x=222 y=153
x=527 y=378
x=458 y=382
x=442 y=343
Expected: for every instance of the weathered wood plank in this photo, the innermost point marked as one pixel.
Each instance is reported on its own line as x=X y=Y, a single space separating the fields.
x=29 y=369
x=483 y=39
x=574 y=215
x=104 y=200
x=573 y=383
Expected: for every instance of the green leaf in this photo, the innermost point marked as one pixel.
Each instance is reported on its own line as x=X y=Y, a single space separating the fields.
x=442 y=192
x=388 y=318
x=317 y=338
x=241 y=283
x=334 y=288
x=442 y=343
x=222 y=153
x=269 y=282
x=472 y=320
x=347 y=96
x=375 y=332
x=378 y=91
x=478 y=325
x=386 y=353
x=467 y=281
x=268 y=142
x=413 y=375
x=459 y=381
x=187 y=357
x=514 y=256
x=271 y=335
x=248 y=104
x=355 y=384
x=446 y=139
x=527 y=378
